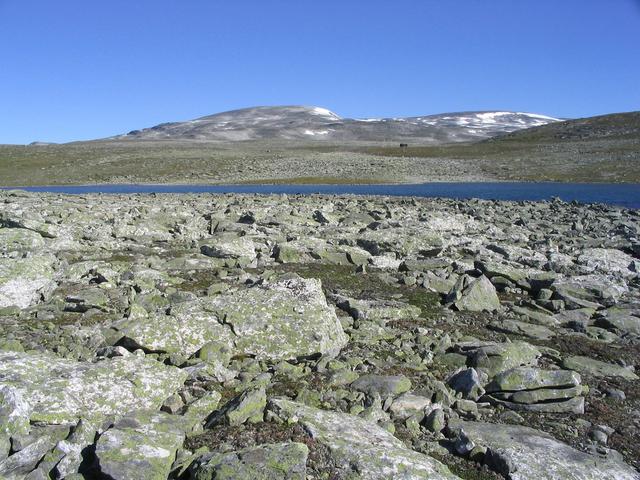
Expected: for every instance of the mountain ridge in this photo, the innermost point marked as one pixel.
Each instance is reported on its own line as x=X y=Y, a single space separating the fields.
x=312 y=123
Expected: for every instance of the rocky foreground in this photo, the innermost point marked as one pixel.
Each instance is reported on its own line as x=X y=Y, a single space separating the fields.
x=275 y=337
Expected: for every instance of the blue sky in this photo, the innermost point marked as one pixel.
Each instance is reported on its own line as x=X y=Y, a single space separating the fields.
x=78 y=69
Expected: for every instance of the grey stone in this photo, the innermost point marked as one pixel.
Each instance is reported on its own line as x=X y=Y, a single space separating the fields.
x=468 y=383
x=278 y=461
x=140 y=445
x=287 y=319
x=383 y=385
x=597 y=368
x=248 y=406
x=474 y=295
x=523 y=453
x=61 y=391
x=369 y=450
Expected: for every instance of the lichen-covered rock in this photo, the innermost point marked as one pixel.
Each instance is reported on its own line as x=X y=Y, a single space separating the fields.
x=378 y=310
x=15 y=412
x=66 y=458
x=535 y=315
x=474 y=295
x=371 y=452
x=408 y=405
x=287 y=319
x=620 y=319
x=524 y=329
x=589 y=291
x=467 y=382
x=522 y=453
x=184 y=329
x=248 y=406
x=229 y=246
x=498 y=357
x=522 y=378
x=402 y=241
x=383 y=385
x=541 y=401
x=278 y=461
x=62 y=391
x=23 y=280
x=141 y=445
x=597 y=368
x=19 y=240
x=608 y=260
x=20 y=464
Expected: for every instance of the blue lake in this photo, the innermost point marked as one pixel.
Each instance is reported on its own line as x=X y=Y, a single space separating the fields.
x=626 y=195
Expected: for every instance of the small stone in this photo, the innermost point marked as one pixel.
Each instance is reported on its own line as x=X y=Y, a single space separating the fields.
x=435 y=421
x=247 y=407
x=173 y=404
x=615 y=394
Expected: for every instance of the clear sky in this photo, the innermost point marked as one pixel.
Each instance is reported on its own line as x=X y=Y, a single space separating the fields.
x=81 y=69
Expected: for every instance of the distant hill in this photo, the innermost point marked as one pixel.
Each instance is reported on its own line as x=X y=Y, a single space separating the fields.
x=616 y=126
x=313 y=145
x=315 y=123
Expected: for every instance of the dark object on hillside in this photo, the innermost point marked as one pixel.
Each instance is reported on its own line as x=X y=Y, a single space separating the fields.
x=404 y=145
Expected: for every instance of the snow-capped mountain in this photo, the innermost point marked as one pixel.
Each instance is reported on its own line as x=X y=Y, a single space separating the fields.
x=316 y=123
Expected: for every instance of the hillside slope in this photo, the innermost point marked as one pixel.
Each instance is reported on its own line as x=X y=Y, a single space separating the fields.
x=616 y=126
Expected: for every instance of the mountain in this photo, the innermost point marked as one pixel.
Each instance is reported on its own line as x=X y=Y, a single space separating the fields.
x=316 y=123
x=615 y=126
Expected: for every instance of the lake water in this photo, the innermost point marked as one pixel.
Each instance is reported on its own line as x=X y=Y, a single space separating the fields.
x=627 y=195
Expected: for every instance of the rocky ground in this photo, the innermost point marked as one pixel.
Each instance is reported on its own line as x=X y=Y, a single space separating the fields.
x=271 y=337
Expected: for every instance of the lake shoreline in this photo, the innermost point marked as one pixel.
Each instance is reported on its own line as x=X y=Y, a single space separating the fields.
x=624 y=195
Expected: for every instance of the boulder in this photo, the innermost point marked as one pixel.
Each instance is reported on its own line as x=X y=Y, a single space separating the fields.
x=375 y=310
x=589 y=291
x=608 y=261
x=248 y=406
x=142 y=444
x=474 y=295
x=24 y=280
x=62 y=391
x=19 y=240
x=408 y=405
x=619 y=319
x=597 y=368
x=229 y=246
x=366 y=448
x=536 y=390
x=467 y=382
x=522 y=378
x=402 y=241
x=494 y=358
x=277 y=461
x=383 y=385
x=287 y=319
x=536 y=315
x=524 y=329
x=522 y=453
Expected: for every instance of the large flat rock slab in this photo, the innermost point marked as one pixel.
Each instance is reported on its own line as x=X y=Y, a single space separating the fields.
x=60 y=391
x=371 y=451
x=286 y=319
x=522 y=453
x=22 y=280
x=141 y=445
x=597 y=368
